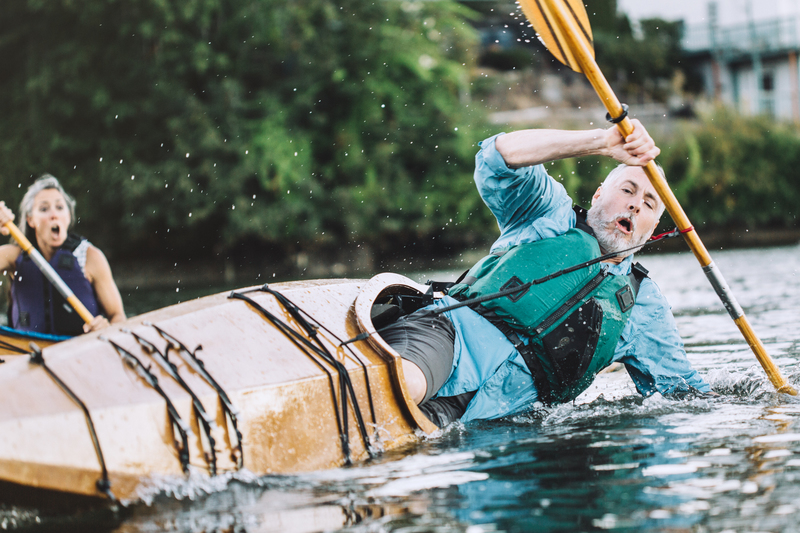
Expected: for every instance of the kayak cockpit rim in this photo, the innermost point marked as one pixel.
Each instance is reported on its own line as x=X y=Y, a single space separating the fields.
x=378 y=287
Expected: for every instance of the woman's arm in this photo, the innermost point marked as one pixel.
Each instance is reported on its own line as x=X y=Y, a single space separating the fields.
x=8 y=257
x=8 y=252
x=98 y=272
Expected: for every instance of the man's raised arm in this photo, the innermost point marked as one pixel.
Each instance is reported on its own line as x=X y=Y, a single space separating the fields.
x=532 y=147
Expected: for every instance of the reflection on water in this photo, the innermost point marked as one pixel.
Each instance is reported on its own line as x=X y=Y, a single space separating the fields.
x=610 y=461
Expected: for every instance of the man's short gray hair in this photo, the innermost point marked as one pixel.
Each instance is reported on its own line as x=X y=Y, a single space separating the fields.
x=43 y=182
x=616 y=174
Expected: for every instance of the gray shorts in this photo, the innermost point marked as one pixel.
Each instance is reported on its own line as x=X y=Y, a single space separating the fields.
x=427 y=341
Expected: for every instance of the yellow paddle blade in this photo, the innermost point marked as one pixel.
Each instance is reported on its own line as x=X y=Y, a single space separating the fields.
x=541 y=14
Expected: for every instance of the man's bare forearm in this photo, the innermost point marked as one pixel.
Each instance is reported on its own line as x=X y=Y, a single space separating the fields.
x=531 y=147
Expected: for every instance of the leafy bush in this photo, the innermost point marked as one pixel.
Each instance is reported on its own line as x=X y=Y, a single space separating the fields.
x=736 y=172
x=194 y=126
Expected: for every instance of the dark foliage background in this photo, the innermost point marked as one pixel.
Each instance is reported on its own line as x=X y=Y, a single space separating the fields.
x=204 y=127
x=193 y=127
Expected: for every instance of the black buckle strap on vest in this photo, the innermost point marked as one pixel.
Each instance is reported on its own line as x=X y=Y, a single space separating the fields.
x=638 y=273
x=196 y=364
x=178 y=425
x=438 y=286
x=434 y=286
x=580 y=220
x=525 y=350
x=103 y=484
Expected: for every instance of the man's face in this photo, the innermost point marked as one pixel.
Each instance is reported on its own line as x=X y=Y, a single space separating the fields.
x=624 y=213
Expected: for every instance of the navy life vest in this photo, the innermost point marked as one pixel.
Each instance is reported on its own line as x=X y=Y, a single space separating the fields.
x=36 y=305
x=573 y=322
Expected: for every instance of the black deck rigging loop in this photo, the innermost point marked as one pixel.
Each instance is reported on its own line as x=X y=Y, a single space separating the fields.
x=344 y=376
x=315 y=350
x=302 y=317
x=12 y=348
x=205 y=422
x=231 y=413
x=343 y=435
x=178 y=425
x=103 y=484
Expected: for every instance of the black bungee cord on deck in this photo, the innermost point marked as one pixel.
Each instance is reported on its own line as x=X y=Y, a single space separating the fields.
x=237 y=455
x=103 y=484
x=205 y=422
x=315 y=350
x=301 y=316
x=519 y=289
x=12 y=348
x=178 y=425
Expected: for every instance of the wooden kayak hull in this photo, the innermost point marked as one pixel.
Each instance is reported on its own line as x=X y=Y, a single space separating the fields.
x=284 y=400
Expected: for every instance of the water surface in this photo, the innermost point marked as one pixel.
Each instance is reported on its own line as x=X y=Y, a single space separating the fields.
x=610 y=461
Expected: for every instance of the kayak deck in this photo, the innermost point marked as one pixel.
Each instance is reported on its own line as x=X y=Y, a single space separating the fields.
x=260 y=377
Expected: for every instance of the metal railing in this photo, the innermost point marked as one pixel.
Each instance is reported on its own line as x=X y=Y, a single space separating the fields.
x=765 y=37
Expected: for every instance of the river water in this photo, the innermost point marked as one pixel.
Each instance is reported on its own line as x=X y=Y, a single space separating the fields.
x=610 y=461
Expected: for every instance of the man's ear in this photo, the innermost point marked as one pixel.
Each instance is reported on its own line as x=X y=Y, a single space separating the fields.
x=596 y=194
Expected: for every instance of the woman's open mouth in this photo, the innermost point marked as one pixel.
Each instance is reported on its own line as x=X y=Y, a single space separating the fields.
x=55 y=231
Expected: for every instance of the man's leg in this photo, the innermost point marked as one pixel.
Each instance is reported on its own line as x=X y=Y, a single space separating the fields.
x=416 y=383
x=446 y=409
x=425 y=342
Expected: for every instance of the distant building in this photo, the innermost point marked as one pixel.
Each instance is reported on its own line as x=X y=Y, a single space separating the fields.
x=752 y=66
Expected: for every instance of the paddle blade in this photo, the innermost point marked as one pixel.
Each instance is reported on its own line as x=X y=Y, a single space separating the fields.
x=540 y=14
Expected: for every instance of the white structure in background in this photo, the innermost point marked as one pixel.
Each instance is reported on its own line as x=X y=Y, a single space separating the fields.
x=751 y=64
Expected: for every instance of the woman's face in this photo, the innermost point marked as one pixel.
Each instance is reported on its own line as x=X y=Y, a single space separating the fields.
x=49 y=218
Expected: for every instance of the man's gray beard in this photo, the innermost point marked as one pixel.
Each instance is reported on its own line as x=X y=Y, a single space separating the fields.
x=610 y=239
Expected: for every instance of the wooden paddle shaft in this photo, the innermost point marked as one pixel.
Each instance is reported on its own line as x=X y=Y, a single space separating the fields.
x=48 y=272
x=595 y=76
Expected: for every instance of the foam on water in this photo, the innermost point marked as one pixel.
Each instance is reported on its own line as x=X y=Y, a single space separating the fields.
x=196 y=485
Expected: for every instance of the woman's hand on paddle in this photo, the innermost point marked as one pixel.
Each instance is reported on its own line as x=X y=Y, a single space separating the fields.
x=637 y=149
x=6 y=215
x=99 y=322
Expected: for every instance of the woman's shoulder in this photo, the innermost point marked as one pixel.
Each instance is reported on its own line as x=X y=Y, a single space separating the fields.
x=95 y=259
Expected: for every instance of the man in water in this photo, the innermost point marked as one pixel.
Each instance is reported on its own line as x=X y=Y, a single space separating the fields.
x=547 y=342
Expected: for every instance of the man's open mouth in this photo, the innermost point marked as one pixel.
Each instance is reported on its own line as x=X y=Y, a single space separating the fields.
x=625 y=225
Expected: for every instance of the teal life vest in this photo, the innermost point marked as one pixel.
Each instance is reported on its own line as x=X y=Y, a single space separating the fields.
x=573 y=321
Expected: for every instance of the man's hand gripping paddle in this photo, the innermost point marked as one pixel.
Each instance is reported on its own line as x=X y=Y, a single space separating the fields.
x=51 y=275
x=563 y=27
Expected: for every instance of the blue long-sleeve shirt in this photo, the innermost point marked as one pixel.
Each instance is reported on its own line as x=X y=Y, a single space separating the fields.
x=529 y=205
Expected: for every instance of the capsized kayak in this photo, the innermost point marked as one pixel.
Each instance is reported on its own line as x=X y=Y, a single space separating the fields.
x=258 y=379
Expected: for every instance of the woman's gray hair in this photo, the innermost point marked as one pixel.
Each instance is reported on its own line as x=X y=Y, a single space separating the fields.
x=43 y=182
x=616 y=173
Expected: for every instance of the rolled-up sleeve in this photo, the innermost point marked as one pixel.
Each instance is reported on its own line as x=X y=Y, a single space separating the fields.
x=528 y=204
x=652 y=349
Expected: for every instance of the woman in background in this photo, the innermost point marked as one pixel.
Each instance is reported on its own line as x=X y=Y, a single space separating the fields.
x=48 y=212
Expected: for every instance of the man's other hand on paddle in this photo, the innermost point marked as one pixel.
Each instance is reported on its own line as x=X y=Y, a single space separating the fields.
x=637 y=149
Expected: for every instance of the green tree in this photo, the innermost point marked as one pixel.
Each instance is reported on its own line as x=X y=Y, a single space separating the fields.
x=730 y=171
x=635 y=64
x=196 y=125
